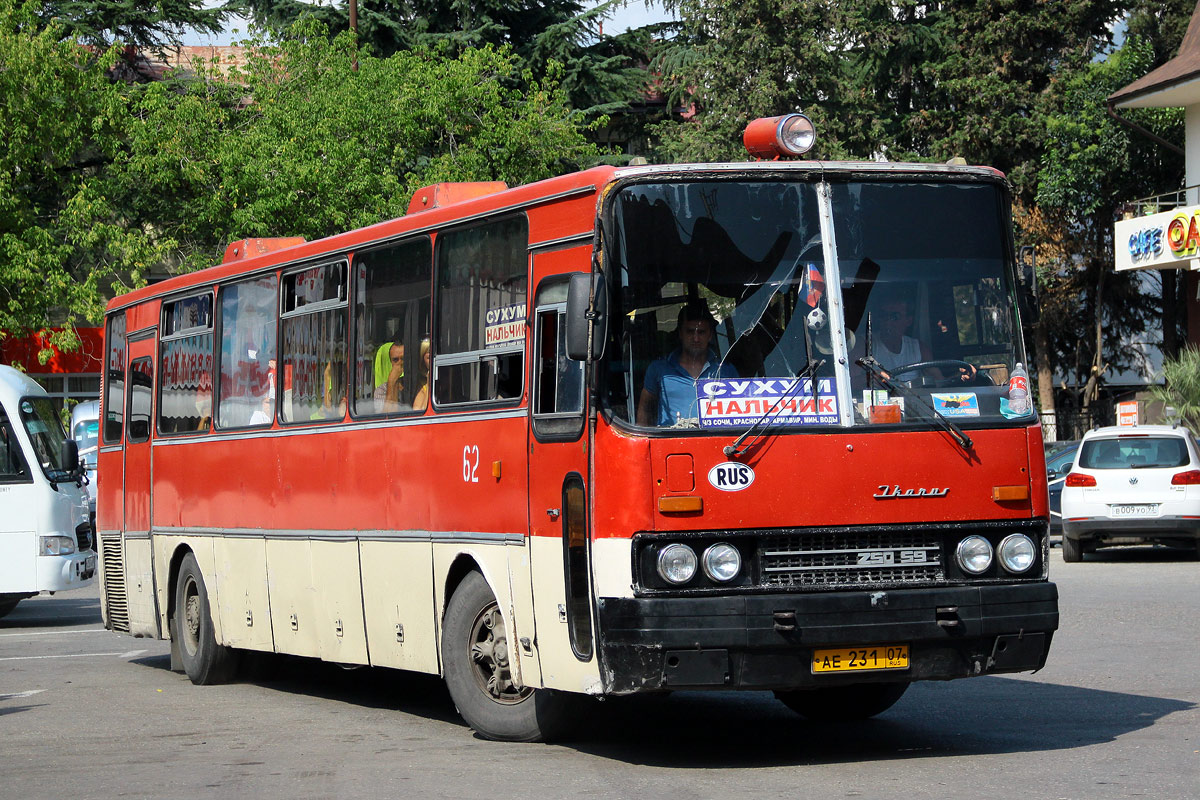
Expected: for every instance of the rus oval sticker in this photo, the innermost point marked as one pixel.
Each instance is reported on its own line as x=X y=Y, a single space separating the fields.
x=731 y=476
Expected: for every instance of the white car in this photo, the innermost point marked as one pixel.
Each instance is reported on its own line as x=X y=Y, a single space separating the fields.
x=1132 y=485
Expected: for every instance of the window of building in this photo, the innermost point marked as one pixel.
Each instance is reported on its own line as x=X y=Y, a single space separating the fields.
x=114 y=367
x=391 y=322
x=248 y=369
x=482 y=304
x=185 y=367
x=313 y=351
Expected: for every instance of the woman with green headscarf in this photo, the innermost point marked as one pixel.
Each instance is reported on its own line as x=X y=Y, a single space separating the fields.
x=389 y=369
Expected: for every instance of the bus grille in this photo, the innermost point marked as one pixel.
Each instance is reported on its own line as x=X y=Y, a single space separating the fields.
x=835 y=559
x=116 y=601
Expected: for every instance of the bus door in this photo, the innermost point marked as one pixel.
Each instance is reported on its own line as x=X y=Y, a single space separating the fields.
x=139 y=418
x=560 y=549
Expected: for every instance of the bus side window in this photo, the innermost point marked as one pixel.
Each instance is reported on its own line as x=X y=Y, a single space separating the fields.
x=12 y=461
x=482 y=302
x=141 y=391
x=248 y=373
x=391 y=321
x=114 y=380
x=313 y=351
x=185 y=369
x=557 y=380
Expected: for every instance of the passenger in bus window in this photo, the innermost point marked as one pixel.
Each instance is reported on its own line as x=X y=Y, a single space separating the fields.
x=893 y=348
x=389 y=372
x=333 y=396
x=421 y=401
x=669 y=391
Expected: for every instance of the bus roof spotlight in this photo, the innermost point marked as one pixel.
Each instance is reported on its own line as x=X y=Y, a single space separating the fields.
x=775 y=137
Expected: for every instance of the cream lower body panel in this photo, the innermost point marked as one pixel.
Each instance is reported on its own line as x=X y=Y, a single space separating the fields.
x=241 y=600
x=561 y=667
x=139 y=588
x=398 y=606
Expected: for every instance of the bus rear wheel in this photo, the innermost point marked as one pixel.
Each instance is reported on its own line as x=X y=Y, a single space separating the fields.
x=478 y=674
x=843 y=703
x=204 y=661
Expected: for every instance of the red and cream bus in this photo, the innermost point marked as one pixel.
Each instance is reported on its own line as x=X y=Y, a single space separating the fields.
x=627 y=430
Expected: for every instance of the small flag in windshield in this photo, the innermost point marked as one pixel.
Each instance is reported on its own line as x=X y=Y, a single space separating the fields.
x=814 y=285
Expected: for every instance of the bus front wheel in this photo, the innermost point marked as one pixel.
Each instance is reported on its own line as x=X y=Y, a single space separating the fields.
x=478 y=674
x=204 y=661
x=834 y=703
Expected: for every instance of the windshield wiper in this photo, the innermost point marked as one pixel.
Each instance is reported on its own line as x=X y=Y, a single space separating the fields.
x=874 y=368
x=763 y=423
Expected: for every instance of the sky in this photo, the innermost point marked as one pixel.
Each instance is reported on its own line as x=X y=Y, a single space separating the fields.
x=633 y=15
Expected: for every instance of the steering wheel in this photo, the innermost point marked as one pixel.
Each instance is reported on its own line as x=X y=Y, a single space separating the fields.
x=978 y=379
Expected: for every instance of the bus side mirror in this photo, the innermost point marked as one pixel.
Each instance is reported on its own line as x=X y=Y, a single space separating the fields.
x=579 y=295
x=68 y=455
x=1027 y=299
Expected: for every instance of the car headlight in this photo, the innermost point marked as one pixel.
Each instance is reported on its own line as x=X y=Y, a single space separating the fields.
x=722 y=562
x=677 y=563
x=56 y=545
x=974 y=554
x=1017 y=553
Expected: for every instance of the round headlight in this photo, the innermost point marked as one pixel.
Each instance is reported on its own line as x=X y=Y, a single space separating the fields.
x=677 y=563
x=1017 y=553
x=796 y=134
x=722 y=562
x=974 y=554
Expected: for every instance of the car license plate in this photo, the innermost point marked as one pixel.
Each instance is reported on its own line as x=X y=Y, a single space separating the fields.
x=861 y=659
x=1134 y=510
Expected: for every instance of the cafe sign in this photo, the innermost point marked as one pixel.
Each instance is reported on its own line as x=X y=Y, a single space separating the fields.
x=1169 y=240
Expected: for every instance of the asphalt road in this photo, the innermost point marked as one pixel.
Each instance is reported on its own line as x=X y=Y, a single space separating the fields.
x=89 y=714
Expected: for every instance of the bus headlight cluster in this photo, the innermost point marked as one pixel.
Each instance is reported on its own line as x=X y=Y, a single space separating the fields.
x=974 y=555
x=678 y=563
x=1016 y=553
x=56 y=546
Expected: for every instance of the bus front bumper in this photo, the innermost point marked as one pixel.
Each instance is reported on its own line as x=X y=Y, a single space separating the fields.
x=767 y=641
x=59 y=573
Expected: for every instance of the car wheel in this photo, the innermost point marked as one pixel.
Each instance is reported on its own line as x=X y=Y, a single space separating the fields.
x=834 y=703
x=1072 y=549
x=204 y=661
x=477 y=672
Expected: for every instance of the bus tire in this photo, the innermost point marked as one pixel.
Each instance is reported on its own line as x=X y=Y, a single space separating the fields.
x=7 y=606
x=1072 y=550
x=204 y=661
x=843 y=703
x=475 y=659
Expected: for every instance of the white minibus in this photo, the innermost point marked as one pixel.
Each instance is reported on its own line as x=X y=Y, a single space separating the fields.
x=46 y=537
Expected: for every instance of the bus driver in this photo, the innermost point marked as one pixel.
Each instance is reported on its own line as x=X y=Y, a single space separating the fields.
x=669 y=391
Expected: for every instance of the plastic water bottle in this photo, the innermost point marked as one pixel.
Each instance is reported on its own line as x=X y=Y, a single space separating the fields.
x=1018 y=390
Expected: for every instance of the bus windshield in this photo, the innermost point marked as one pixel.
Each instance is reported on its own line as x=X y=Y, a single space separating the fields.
x=46 y=434
x=727 y=313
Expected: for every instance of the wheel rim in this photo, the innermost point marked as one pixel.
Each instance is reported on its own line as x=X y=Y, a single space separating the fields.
x=191 y=615
x=489 y=658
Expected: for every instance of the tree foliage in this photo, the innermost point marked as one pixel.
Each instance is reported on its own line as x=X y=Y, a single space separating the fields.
x=101 y=182
x=1181 y=386
x=599 y=73
x=302 y=143
x=61 y=241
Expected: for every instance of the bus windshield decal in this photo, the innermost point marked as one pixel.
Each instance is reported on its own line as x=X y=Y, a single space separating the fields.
x=785 y=401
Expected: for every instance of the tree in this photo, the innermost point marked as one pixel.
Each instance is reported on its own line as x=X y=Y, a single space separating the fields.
x=301 y=143
x=1181 y=387
x=61 y=242
x=599 y=73
x=1092 y=165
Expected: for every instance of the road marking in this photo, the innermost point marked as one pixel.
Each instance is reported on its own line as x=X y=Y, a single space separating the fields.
x=53 y=633
x=19 y=695
x=68 y=655
x=132 y=653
